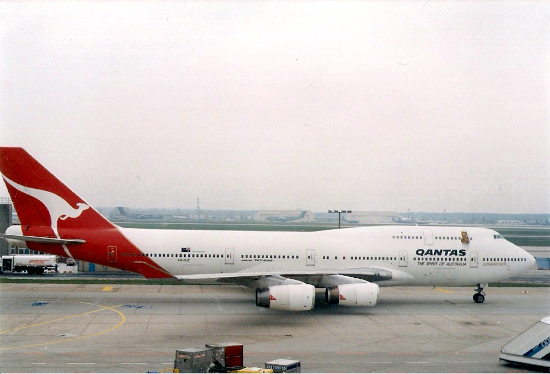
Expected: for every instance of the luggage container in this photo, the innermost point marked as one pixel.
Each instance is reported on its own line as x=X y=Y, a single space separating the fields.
x=284 y=366
x=530 y=348
x=227 y=354
x=193 y=360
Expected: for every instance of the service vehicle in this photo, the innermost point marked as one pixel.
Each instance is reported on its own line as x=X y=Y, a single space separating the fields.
x=32 y=264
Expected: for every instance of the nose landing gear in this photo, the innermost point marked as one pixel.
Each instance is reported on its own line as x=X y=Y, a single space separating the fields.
x=479 y=297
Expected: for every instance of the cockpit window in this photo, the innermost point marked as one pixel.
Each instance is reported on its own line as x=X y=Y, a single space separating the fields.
x=498 y=236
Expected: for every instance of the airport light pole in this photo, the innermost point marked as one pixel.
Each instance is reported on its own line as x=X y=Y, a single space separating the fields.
x=339 y=214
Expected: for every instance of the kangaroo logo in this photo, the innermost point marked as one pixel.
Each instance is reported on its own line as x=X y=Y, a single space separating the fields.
x=56 y=206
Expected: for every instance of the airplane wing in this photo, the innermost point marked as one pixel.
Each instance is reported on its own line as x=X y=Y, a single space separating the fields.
x=42 y=239
x=319 y=278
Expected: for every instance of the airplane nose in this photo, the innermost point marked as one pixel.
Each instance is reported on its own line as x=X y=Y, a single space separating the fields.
x=531 y=261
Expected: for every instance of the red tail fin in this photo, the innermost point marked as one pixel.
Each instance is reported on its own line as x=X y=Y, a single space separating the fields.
x=41 y=199
x=54 y=218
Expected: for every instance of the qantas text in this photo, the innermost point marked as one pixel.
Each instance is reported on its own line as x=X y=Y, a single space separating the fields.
x=441 y=252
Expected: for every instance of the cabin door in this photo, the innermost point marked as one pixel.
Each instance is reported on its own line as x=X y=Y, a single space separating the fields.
x=428 y=237
x=310 y=257
x=403 y=259
x=112 y=253
x=473 y=259
x=229 y=256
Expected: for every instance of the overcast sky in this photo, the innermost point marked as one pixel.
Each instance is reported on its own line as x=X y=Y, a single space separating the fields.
x=427 y=106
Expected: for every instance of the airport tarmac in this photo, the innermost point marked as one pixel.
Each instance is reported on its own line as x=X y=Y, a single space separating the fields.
x=137 y=328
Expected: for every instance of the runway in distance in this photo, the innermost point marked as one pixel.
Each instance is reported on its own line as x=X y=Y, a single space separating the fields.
x=283 y=267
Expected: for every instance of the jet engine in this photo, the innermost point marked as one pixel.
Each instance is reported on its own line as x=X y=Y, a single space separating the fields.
x=293 y=297
x=355 y=294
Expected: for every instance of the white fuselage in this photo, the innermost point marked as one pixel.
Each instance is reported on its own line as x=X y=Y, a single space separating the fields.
x=416 y=255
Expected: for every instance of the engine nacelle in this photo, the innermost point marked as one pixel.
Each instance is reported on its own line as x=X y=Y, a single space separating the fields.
x=355 y=294
x=292 y=297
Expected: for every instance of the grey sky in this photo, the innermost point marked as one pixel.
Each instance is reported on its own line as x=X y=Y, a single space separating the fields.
x=281 y=105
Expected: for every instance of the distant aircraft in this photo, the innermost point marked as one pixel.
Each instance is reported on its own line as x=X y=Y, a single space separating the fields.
x=283 y=267
x=286 y=218
x=349 y=220
x=138 y=215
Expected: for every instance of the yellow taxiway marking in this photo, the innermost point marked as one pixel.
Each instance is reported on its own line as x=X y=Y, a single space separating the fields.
x=122 y=321
x=107 y=288
x=444 y=290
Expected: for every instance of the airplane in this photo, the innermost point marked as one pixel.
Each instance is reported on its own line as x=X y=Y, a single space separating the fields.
x=286 y=218
x=285 y=268
x=123 y=212
x=349 y=220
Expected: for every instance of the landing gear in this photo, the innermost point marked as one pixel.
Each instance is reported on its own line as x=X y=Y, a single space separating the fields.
x=479 y=297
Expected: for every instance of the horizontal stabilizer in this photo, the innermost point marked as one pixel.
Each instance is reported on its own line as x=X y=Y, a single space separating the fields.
x=42 y=239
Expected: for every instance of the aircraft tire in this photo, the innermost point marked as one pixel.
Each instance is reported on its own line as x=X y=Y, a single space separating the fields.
x=479 y=298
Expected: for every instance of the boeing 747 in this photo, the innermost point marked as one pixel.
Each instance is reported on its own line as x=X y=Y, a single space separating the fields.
x=283 y=267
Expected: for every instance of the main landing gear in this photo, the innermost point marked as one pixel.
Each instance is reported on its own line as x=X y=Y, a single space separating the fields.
x=479 y=297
